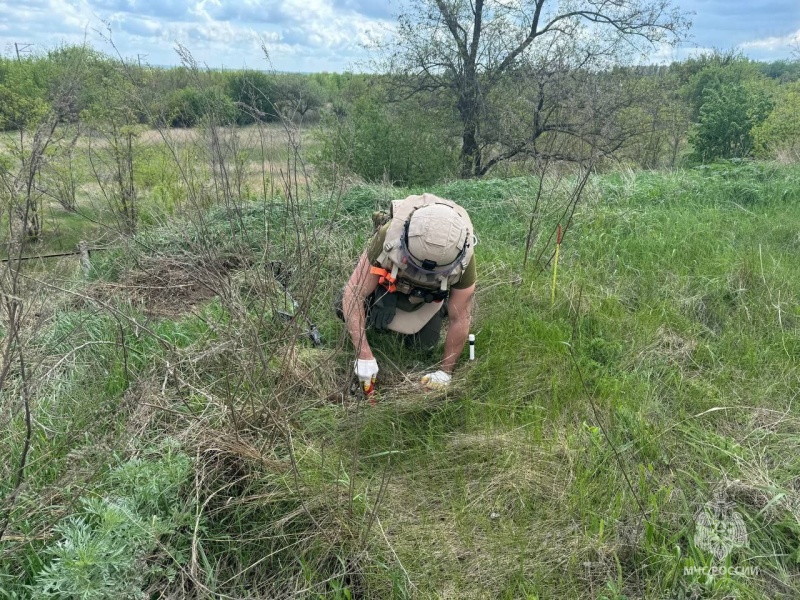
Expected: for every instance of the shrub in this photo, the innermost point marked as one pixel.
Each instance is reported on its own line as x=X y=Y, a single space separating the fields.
x=727 y=118
x=102 y=548
x=376 y=143
x=189 y=106
x=780 y=131
x=253 y=93
x=21 y=97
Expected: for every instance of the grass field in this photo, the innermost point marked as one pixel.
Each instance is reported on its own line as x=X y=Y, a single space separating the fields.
x=188 y=443
x=173 y=170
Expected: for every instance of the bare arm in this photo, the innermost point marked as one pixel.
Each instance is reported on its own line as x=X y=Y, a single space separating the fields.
x=360 y=285
x=459 y=310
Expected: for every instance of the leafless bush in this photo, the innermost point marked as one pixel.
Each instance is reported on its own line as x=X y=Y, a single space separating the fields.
x=59 y=174
x=21 y=197
x=256 y=239
x=251 y=257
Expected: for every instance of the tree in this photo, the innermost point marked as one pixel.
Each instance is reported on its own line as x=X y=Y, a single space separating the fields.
x=189 y=106
x=39 y=133
x=297 y=94
x=114 y=124
x=727 y=119
x=254 y=94
x=780 y=131
x=712 y=71
x=784 y=71
x=378 y=140
x=658 y=113
x=21 y=95
x=463 y=51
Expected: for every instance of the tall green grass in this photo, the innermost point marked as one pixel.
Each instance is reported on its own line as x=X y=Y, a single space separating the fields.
x=570 y=460
x=678 y=299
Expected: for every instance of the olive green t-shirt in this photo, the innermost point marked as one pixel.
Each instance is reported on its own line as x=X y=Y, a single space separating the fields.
x=468 y=277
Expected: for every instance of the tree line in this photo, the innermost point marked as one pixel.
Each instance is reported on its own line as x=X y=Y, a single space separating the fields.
x=175 y=96
x=715 y=106
x=407 y=122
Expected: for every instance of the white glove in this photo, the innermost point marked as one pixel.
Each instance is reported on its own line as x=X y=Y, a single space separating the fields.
x=366 y=369
x=436 y=381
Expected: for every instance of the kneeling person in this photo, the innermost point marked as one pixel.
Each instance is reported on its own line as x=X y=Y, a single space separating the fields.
x=419 y=267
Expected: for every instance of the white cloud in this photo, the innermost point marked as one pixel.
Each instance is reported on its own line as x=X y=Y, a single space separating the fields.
x=299 y=34
x=74 y=15
x=664 y=54
x=773 y=43
x=323 y=34
x=313 y=29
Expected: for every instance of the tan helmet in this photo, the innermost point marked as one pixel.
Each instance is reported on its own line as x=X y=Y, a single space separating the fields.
x=435 y=236
x=429 y=242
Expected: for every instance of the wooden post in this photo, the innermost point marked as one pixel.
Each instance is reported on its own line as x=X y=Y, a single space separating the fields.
x=86 y=265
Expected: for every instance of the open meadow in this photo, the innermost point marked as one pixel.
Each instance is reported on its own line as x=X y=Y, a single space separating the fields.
x=184 y=440
x=179 y=410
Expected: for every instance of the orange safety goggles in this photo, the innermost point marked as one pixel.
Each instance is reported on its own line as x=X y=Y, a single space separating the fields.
x=384 y=278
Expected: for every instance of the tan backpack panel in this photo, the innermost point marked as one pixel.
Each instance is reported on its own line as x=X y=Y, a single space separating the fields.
x=413 y=322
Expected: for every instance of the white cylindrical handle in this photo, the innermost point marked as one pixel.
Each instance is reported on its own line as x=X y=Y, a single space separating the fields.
x=472 y=346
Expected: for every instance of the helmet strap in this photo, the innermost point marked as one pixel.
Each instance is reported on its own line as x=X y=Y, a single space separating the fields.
x=430 y=265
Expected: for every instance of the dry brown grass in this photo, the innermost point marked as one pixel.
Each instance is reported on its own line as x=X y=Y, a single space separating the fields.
x=456 y=516
x=670 y=347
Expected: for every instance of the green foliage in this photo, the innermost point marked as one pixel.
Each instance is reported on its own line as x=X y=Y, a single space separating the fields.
x=676 y=299
x=113 y=117
x=377 y=144
x=102 y=548
x=298 y=94
x=72 y=75
x=659 y=113
x=190 y=106
x=785 y=71
x=22 y=102
x=159 y=178
x=69 y=80
x=254 y=94
x=780 y=131
x=362 y=199
x=712 y=71
x=727 y=118
x=113 y=99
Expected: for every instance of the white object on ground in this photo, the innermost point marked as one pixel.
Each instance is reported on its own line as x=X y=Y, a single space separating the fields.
x=439 y=379
x=472 y=346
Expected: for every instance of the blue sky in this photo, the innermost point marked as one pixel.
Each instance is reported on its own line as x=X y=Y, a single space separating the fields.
x=323 y=35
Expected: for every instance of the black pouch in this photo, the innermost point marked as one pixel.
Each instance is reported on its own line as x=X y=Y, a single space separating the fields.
x=383 y=309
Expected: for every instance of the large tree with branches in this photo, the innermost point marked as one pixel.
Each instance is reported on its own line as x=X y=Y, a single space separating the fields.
x=464 y=51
